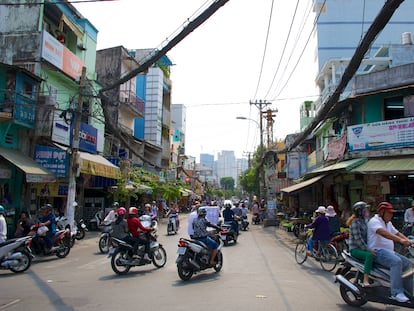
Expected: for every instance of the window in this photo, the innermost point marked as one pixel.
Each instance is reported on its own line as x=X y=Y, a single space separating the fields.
x=393 y=108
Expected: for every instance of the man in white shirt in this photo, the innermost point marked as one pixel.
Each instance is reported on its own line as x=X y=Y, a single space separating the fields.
x=381 y=237
x=409 y=219
x=3 y=226
x=111 y=217
x=193 y=215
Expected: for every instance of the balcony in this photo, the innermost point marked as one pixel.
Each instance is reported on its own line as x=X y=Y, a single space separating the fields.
x=18 y=108
x=132 y=101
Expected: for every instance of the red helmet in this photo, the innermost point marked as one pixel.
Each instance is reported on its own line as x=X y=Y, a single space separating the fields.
x=121 y=211
x=133 y=211
x=385 y=206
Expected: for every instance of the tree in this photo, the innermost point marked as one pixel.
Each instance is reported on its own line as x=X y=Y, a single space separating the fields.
x=227 y=183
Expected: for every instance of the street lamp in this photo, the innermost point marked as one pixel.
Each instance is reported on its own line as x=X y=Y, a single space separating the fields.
x=261 y=173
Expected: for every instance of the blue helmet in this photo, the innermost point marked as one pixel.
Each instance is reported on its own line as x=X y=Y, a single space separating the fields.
x=1 y=209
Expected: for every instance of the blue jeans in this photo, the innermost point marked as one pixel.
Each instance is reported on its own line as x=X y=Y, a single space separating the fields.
x=397 y=264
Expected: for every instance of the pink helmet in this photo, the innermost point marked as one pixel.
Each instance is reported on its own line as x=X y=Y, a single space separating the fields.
x=121 y=211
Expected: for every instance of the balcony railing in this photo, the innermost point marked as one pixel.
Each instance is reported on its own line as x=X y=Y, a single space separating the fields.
x=17 y=107
x=134 y=101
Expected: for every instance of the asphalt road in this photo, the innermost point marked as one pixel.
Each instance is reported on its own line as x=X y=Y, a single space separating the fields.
x=259 y=273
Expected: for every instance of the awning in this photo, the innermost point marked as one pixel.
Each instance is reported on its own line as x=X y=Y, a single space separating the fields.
x=94 y=164
x=34 y=172
x=302 y=185
x=344 y=165
x=400 y=165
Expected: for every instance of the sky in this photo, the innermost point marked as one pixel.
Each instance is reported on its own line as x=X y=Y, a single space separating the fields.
x=240 y=55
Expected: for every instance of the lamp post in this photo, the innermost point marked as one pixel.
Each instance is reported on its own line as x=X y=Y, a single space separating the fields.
x=261 y=175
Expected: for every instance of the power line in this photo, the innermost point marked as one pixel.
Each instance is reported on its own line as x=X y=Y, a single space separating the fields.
x=55 y=2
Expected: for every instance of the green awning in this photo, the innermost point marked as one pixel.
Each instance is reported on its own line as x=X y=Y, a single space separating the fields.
x=302 y=185
x=35 y=173
x=397 y=165
x=344 y=165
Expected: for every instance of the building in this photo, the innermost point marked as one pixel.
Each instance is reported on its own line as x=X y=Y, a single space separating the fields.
x=226 y=165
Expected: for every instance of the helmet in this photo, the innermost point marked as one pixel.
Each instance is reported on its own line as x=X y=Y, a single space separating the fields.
x=385 y=206
x=121 y=211
x=202 y=211
x=133 y=211
x=75 y=204
x=47 y=206
x=115 y=204
x=358 y=207
x=1 y=209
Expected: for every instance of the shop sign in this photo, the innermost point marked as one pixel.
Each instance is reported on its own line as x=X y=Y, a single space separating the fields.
x=383 y=134
x=53 y=159
x=55 y=189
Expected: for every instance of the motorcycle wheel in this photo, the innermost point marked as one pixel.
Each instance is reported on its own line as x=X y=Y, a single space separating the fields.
x=80 y=234
x=118 y=269
x=103 y=244
x=72 y=241
x=217 y=267
x=24 y=263
x=63 y=249
x=347 y=295
x=159 y=257
x=184 y=274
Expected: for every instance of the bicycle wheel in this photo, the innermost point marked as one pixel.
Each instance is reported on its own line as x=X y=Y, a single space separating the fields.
x=301 y=252
x=328 y=257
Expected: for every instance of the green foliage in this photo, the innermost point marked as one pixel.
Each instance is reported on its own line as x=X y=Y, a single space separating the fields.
x=227 y=183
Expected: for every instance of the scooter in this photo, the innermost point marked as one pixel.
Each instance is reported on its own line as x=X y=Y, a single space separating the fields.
x=122 y=253
x=256 y=219
x=194 y=256
x=244 y=223
x=60 y=242
x=97 y=219
x=104 y=242
x=15 y=254
x=81 y=230
x=172 y=224
x=350 y=277
x=228 y=235
x=62 y=223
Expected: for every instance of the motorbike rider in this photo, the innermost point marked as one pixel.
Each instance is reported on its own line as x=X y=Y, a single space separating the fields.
x=381 y=237
x=321 y=226
x=135 y=227
x=23 y=225
x=48 y=220
x=120 y=225
x=154 y=209
x=333 y=218
x=358 y=245
x=409 y=219
x=3 y=225
x=230 y=218
x=173 y=212
x=111 y=217
x=200 y=225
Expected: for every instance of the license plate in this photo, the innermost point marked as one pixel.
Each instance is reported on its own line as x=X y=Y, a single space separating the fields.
x=111 y=250
x=83 y=226
x=223 y=237
x=181 y=250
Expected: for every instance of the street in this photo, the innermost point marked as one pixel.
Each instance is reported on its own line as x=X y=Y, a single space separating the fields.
x=259 y=273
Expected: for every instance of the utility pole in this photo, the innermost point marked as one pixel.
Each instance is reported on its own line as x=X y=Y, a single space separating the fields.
x=74 y=163
x=260 y=104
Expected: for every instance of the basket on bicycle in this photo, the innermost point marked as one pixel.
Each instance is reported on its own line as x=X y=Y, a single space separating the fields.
x=302 y=236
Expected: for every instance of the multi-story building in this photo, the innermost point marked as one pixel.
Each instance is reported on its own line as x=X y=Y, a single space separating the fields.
x=226 y=165
x=44 y=48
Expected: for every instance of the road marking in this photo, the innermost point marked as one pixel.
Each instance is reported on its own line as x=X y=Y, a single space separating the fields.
x=3 y=307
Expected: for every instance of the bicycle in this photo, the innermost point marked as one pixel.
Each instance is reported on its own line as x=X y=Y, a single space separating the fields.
x=325 y=253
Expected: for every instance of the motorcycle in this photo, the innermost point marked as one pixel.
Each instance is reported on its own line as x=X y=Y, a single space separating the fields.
x=62 y=223
x=350 y=278
x=122 y=254
x=244 y=223
x=256 y=219
x=194 y=256
x=340 y=241
x=228 y=235
x=172 y=224
x=15 y=254
x=60 y=242
x=81 y=230
x=97 y=219
x=105 y=239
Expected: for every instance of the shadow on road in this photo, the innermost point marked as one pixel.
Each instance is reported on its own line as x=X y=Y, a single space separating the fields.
x=198 y=279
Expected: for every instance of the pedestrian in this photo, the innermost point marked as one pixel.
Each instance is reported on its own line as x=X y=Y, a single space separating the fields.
x=3 y=225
